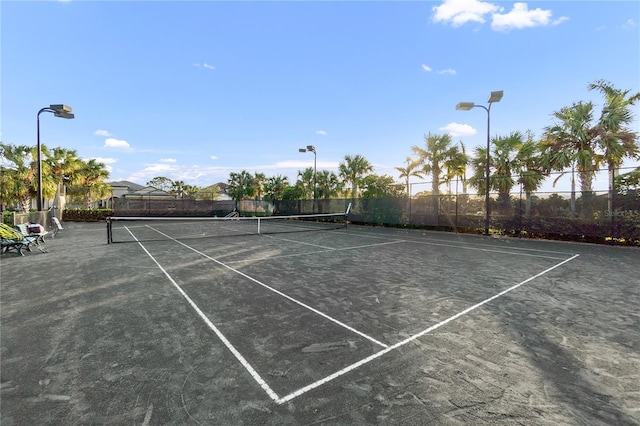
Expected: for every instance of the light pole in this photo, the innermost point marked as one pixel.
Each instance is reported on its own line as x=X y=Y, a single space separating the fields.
x=58 y=110
x=465 y=106
x=311 y=148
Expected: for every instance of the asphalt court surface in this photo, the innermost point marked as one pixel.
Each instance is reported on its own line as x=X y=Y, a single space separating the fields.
x=357 y=291
x=357 y=325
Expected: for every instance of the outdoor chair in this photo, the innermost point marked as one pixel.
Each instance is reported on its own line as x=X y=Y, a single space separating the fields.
x=26 y=231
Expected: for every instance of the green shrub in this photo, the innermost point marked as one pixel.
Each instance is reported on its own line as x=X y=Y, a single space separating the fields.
x=84 y=215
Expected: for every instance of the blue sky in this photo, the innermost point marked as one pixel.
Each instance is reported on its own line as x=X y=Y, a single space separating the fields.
x=194 y=90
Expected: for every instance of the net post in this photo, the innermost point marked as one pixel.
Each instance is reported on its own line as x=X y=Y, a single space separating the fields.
x=258 y=224
x=109 y=236
x=346 y=215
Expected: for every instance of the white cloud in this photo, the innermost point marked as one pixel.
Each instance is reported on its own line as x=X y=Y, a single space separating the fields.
x=426 y=67
x=102 y=133
x=321 y=133
x=520 y=17
x=447 y=71
x=116 y=143
x=459 y=12
x=213 y=157
x=205 y=65
x=457 y=129
x=560 y=20
x=168 y=160
x=105 y=160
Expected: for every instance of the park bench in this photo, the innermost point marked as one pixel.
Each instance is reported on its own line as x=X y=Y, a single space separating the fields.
x=37 y=237
x=11 y=239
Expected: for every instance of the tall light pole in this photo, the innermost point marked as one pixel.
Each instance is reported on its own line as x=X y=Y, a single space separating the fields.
x=311 y=148
x=58 y=110
x=465 y=106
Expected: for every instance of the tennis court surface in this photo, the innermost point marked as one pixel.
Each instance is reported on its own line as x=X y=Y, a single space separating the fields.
x=354 y=325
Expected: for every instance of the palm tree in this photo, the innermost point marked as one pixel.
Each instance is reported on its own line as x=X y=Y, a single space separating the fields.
x=530 y=168
x=434 y=157
x=17 y=175
x=456 y=166
x=407 y=172
x=352 y=170
x=240 y=185
x=328 y=184
x=90 y=182
x=570 y=143
x=614 y=137
x=305 y=177
x=64 y=166
x=274 y=187
x=259 y=180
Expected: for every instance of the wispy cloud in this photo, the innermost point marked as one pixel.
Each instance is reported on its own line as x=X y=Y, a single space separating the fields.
x=113 y=143
x=321 y=133
x=458 y=129
x=444 y=71
x=102 y=133
x=204 y=65
x=213 y=157
x=447 y=71
x=168 y=160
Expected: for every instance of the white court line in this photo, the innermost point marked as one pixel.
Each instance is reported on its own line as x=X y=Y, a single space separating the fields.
x=465 y=247
x=286 y=296
x=412 y=238
x=218 y=333
x=257 y=259
x=410 y=339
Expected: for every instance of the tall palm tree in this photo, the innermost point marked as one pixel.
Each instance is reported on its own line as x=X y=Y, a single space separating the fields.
x=64 y=166
x=456 y=166
x=503 y=162
x=352 y=169
x=305 y=177
x=258 y=184
x=410 y=171
x=530 y=169
x=570 y=143
x=433 y=157
x=614 y=137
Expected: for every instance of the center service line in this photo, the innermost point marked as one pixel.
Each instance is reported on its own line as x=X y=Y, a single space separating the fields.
x=286 y=296
x=212 y=326
x=410 y=339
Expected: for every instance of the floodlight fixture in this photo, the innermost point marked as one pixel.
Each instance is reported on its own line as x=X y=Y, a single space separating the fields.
x=465 y=106
x=311 y=148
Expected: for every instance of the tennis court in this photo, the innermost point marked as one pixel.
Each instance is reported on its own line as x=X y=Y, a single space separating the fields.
x=355 y=325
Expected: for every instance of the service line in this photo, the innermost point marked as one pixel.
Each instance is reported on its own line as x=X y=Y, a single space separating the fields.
x=278 y=292
x=377 y=355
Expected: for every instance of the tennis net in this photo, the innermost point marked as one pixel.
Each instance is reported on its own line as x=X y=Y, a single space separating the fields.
x=130 y=229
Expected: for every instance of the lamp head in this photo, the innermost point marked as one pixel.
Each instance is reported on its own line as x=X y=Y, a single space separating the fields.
x=465 y=106
x=311 y=148
x=64 y=114
x=60 y=108
x=495 y=96
x=302 y=150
